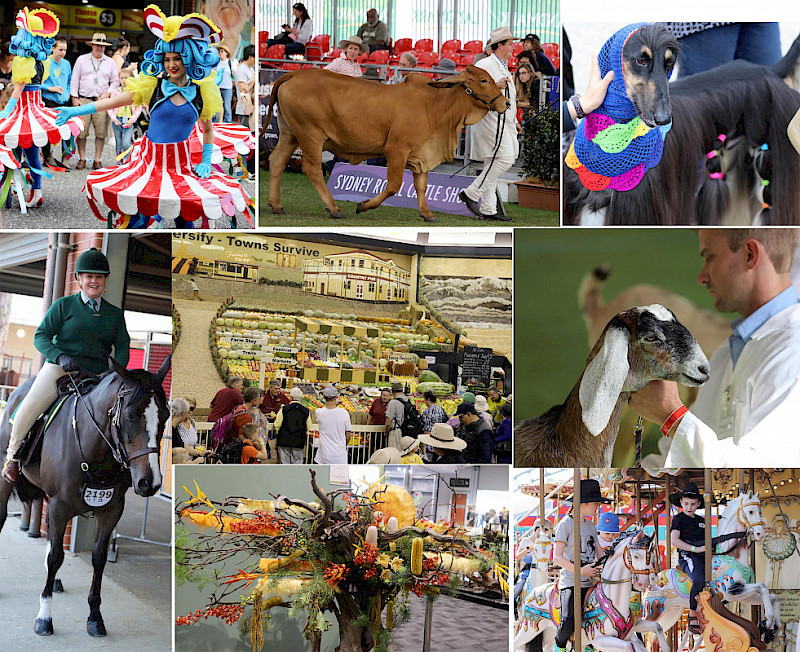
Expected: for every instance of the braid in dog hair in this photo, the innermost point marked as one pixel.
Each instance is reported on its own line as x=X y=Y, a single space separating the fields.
x=714 y=199
x=763 y=168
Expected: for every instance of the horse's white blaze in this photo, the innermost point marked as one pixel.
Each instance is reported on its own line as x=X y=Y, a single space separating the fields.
x=44 y=608
x=151 y=423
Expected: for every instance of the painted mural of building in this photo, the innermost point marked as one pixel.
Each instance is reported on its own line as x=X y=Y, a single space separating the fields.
x=357 y=275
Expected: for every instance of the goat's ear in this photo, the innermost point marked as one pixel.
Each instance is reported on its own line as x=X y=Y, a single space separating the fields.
x=603 y=379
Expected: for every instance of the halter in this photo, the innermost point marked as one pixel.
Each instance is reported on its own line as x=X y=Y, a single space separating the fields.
x=627 y=560
x=118 y=451
x=486 y=103
x=740 y=513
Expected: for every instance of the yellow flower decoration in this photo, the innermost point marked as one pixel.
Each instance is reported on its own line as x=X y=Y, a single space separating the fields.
x=397 y=564
x=383 y=560
x=385 y=575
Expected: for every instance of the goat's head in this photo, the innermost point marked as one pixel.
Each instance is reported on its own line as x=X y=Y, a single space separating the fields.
x=637 y=346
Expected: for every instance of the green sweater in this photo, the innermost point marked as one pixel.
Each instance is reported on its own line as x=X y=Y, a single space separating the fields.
x=71 y=327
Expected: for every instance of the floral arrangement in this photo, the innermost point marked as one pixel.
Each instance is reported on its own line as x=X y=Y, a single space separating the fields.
x=355 y=556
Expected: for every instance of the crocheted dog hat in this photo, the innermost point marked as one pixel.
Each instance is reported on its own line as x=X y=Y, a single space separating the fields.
x=613 y=148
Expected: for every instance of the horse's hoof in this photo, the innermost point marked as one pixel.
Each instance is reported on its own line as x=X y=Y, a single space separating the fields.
x=43 y=627
x=428 y=219
x=338 y=215
x=95 y=629
x=58 y=587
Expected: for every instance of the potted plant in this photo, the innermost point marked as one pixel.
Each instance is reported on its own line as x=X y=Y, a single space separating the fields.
x=540 y=162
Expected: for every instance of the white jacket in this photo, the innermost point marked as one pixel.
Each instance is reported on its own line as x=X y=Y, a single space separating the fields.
x=483 y=133
x=750 y=415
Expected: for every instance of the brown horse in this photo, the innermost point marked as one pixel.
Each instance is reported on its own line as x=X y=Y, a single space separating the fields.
x=96 y=445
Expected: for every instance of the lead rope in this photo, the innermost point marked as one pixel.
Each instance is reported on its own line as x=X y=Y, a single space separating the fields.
x=638 y=430
x=498 y=138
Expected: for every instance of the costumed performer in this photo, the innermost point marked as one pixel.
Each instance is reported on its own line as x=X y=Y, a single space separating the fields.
x=159 y=181
x=26 y=122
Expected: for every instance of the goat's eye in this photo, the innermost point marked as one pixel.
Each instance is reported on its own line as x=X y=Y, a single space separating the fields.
x=651 y=338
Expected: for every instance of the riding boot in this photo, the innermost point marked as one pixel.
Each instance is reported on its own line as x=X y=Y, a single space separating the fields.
x=11 y=471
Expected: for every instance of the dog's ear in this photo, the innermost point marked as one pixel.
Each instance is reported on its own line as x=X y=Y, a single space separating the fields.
x=603 y=379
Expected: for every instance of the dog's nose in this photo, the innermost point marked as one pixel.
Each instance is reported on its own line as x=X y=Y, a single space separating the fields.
x=662 y=118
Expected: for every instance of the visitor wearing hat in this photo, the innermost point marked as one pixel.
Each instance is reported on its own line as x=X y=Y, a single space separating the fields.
x=687 y=534
x=347 y=63
x=334 y=429
x=385 y=456
x=447 y=67
x=607 y=528
x=446 y=446
x=564 y=555
x=494 y=138
x=409 y=451
x=62 y=339
x=482 y=408
x=532 y=51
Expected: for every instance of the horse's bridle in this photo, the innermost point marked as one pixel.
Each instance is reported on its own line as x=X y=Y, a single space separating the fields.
x=627 y=559
x=746 y=522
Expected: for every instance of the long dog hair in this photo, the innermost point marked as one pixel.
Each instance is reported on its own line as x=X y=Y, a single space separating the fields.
x=750 y=105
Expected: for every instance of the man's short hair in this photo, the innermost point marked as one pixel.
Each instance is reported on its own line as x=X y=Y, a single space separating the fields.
x=494 y=46
x=251 y=394
x=411 y=58
x=249 y=51
x=780 y=244
x=233 y=380
x=60 y=39
x=249 y=429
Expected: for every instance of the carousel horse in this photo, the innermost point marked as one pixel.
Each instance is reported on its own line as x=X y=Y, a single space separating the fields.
x=95 y=446
x=731 y=575
x=538 y=546
x=609 y=622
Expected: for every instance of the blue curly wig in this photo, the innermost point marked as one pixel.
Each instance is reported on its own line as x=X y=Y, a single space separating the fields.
x=199 y=57
x=24 y=44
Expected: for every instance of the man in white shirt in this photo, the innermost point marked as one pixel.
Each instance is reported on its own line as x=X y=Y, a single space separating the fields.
x=334 y=429
x=244 y=76
x=748 y=412
x=94 y=76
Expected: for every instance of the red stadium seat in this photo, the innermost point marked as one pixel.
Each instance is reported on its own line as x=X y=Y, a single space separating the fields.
x=424 y=45
x=449 y=53
x=550 y=49
x=402 y=45
x=453 y=44
x=476 y=47
x=556 y=63
x=314 y=52
x=427 y=59
x=335 y=54
x=363 y=57
x=262 y=49
x=308 y=65
x=276 y=51
x=324 y=41
x=292 y=65
x=466 y=59
x=518 y=47
x=512 y=63
x=379 y=56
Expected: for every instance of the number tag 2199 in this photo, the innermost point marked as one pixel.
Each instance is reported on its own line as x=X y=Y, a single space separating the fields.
x=97 y=496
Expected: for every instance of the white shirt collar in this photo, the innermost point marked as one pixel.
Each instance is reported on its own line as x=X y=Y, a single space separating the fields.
x=85 y=299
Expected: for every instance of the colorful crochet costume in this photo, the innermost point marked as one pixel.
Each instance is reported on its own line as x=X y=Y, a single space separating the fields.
x=30 y=124
x=159 y=180
x=613 y=148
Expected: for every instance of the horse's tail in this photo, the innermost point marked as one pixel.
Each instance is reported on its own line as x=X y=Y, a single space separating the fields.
x=26 y=491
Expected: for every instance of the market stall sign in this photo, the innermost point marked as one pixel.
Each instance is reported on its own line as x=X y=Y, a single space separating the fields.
x=359 y=182
x=459 y=482
x=242 y=341
x=281 y=349
x=401 y=357
x=271 y=359
x=476 y=367
x=98 y=18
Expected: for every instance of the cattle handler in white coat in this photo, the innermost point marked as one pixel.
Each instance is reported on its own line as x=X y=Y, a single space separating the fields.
x=494 y=139
x=748 y=413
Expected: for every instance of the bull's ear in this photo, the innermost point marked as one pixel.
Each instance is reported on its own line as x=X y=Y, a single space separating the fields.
x=163 y=369
x=456 y=80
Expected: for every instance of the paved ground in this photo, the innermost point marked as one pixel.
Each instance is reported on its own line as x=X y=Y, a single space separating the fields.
x=65 y=205
x=136 y=589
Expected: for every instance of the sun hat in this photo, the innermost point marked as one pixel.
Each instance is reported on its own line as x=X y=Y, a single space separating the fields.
x=608 y=522
x=590 y=493
x=689 y=491
x=446 y=65
x=408 y=444
x=443 y=436
x=355 y=40
x=385 y=456
x=498 y=35
x=481 y=404
x=98 y=38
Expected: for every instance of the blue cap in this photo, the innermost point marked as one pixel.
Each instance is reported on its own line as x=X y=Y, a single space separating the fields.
x=608 y=522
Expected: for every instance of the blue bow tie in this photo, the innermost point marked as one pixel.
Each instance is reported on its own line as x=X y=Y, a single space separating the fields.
x=169 y=89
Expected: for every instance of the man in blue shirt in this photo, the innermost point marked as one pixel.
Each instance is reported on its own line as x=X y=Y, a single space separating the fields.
x=55 y=89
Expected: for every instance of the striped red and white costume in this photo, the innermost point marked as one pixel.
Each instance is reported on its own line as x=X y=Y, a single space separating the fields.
x=158 y=180
x=31 y=123
x=230 y=141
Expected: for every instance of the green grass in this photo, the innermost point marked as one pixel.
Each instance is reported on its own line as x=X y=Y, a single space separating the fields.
x=304 y=208
x=551 y=343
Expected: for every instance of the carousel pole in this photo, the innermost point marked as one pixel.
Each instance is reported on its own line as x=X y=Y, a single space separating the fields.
x=577 y=603
x=707 y=495
x=755 y=610
x=671 y=633
x=638 y=502
x=541 y=495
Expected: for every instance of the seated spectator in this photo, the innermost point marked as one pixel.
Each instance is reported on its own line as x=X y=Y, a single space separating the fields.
x=374 y=32
x=407 y=60
x=385 y=456
x=346 y=63
x=446 y=68
x=526 y=81
x=226 y=399
x=184 y=435
x=532 y=51
x=295 y=37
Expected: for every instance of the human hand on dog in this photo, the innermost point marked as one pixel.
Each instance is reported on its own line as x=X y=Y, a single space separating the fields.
x=656 y=401
x=597 y=88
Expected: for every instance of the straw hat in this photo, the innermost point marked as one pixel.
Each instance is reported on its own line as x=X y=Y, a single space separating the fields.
x=497 y=36
x=98 y=38
x=442 y=436
x=385 y=456
x=481 y=404
x=355 y=40
x=408 y=444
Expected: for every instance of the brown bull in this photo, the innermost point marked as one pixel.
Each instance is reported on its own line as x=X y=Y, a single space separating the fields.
x=414 y=125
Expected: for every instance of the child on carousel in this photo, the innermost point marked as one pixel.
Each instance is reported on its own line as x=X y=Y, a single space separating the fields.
x=564 y=555
x=607 y=529
x=25 y=122
x=687 y=535
x=162 y=179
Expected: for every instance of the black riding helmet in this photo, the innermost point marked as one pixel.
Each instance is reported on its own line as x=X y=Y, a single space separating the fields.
x=92 y=261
